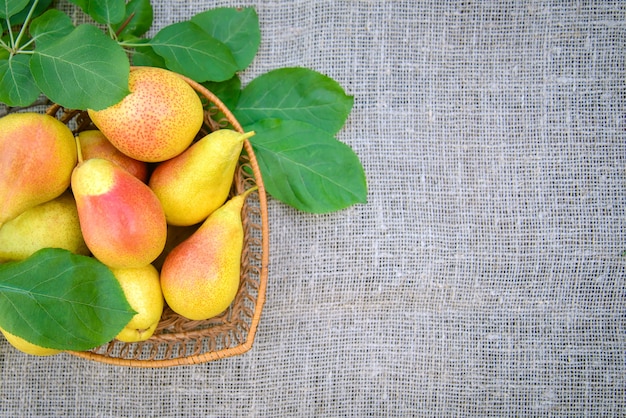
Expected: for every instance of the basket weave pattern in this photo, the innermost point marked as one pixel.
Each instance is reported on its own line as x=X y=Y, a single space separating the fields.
x=180 y=341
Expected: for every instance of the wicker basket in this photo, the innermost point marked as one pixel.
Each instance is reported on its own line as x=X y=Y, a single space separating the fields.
x=180 y=341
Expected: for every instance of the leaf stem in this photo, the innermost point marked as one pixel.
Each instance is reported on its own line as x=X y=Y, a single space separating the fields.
x=111 y=32
x=8 y=21
x=16 y=45
x=5 y=45
x=133 y=44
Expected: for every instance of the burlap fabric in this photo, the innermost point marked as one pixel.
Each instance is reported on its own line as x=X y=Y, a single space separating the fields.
x=484 y=277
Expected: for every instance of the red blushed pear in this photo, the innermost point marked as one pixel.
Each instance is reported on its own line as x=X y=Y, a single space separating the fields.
x=122 y=221
x=158 y=119
x=200 y=277
x=94 y=144
x=37 y=156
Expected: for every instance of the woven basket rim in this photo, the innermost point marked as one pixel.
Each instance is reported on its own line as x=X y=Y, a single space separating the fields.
x=259 y=302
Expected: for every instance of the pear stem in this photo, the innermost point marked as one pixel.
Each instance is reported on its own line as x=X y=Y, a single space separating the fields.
x=247 y=135
x=245 y=193
x=79 y=151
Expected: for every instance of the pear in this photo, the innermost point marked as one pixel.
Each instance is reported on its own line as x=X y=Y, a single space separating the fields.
x=142 y=290
x=122 y=221
x=200 y=277
x=158 y=119
x=93 y=144
x=28 y=347
x=37 y=155
x=197 y=182
x=175 y=235
x=53 y=224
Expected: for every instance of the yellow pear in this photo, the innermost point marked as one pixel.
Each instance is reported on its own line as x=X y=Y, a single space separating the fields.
x=158 y=119
x=93 y=144
x=53 y=224
x=122 y=221
x=197 y=182
x=143 y=292
x=200 y=277
x=37 y=155
x=27 y=347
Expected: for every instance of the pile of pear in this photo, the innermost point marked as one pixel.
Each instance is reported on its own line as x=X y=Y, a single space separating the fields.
x=139 y=192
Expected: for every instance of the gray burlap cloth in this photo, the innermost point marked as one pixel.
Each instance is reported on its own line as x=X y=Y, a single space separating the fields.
x=486 y=274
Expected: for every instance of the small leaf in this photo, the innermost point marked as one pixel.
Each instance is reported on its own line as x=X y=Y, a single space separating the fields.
x=50 y=26
x=237 y=28
x=60 y=300
x=103 y=11
x=140 y=14
x=17 y=86
x=190 y=51
x=85 y=69
x=145 y=56
x=107 y=11
x=227 y=91
x=9 y=8
x=298 y=94
x=306 y=167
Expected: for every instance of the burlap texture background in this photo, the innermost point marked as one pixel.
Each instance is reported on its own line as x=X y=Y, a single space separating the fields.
x=484 y=277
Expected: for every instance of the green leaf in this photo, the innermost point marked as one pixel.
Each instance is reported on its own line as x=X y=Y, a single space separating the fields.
x=145 y=56
x=103 y=11
x=50 y=26
x=85 y=69
x=227 y=91
x=306 y=167
x=9 y=8
x=107 y=11
x=60 y=300
x=83 y=4
x=190 y=51
x=238 y=28
x=17 y=86
x=295 y=93
x=19 y=18
x=140 y=14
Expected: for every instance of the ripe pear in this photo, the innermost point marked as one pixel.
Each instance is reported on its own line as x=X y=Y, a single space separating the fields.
x=93 y=144
x=122 y=220
x=53 y=224
x=197 y=182
x=37 y=155
x=142 y=289
x=200 y=277
x=28 y=347
x=158 y=119
x=175 y=235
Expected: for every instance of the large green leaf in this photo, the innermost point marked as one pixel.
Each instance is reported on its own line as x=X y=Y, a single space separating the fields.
x=306 y=167
x=238 y=28
x=190 y=51
x=295 y=93
x=17 y=86
x=9 y=8
x=85 y=69
x=50 y=26
x=60 y=300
